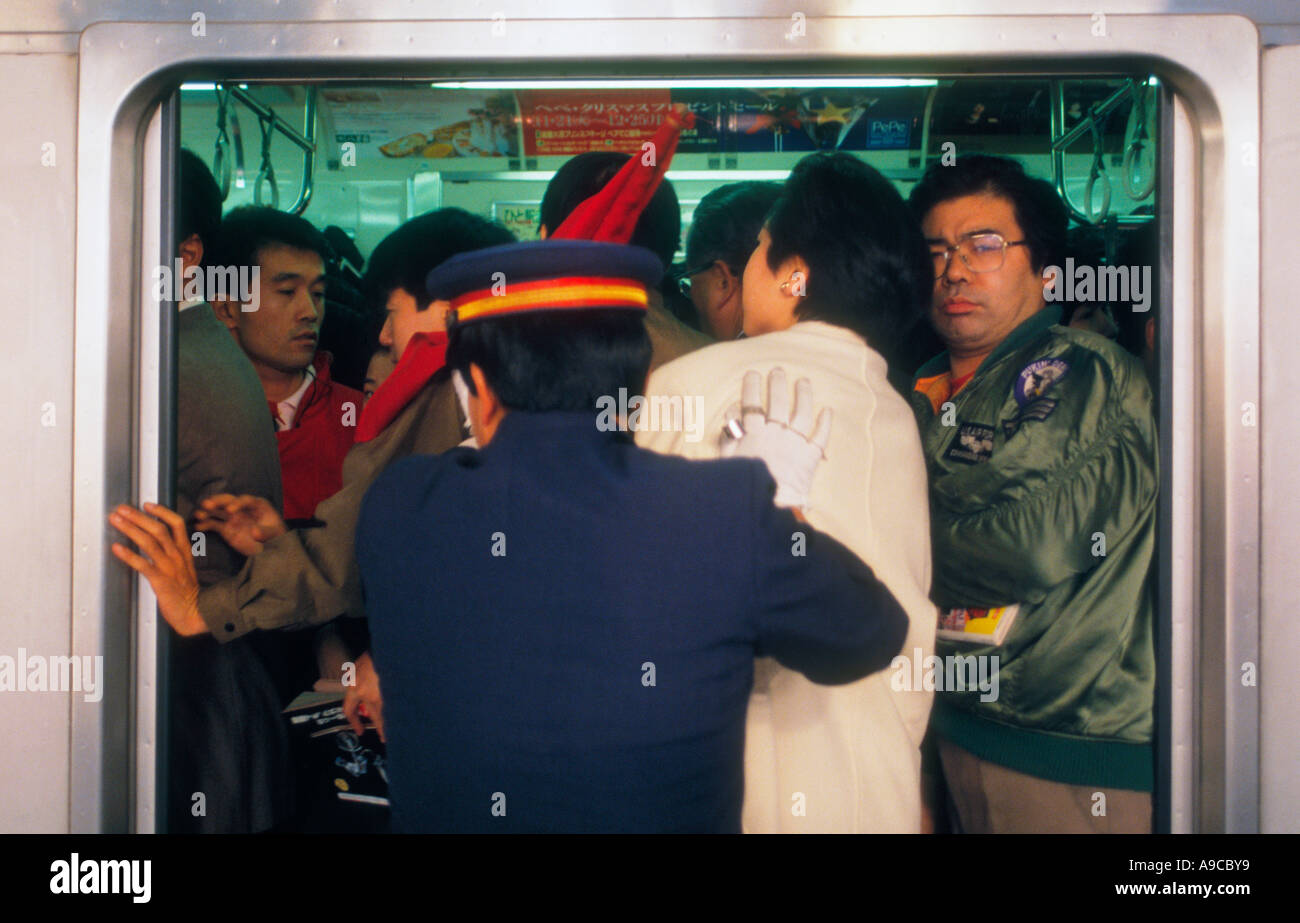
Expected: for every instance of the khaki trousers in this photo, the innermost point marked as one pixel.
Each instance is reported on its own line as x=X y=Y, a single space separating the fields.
x=987 y=798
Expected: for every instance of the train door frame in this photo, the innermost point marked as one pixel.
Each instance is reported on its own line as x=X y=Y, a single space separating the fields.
x=1209 y=741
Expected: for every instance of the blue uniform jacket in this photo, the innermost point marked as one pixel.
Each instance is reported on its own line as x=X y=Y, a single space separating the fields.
x=565 y=627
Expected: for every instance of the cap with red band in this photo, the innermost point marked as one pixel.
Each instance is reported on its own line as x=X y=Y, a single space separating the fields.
x=581 y=265
x=547 y=275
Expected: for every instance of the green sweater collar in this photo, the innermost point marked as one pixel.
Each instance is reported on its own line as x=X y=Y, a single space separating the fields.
x=1029 y=328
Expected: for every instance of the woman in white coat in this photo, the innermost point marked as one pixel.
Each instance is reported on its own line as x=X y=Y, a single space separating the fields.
x=841 y=272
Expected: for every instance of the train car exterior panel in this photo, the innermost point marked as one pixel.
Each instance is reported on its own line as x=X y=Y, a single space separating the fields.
x=97 y=89
x=1279 y=803
x=39 y=216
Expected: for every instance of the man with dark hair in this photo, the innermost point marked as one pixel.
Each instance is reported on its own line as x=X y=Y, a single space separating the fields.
x=724 y=232
x=658 y=229
x=315 y=417
x=1041 y=451
x=198 y=215
x=1037 y=208
x=852 y=272
x=309 y=576
x=228 y=752
x=585 y=665
x=869 y=280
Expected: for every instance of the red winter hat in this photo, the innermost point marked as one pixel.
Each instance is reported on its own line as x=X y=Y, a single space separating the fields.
x=611 y=214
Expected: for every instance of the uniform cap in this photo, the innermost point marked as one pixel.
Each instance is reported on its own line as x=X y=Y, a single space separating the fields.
x=547 y=275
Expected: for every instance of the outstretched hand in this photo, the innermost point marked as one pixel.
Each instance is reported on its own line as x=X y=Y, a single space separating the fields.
x=245 y=522
x=164 y=559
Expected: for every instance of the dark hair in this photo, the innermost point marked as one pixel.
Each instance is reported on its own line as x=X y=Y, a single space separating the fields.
x=659 y=229
x=200 y=203
x=405 y=257
x=1038 y=209
x=869 y=269
x=247 y=229
x=556 y=360
x=726 y=224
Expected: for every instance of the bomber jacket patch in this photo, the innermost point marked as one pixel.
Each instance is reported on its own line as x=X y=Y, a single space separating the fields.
x=1036 y=378
x=1039 y=409
x=973 y=444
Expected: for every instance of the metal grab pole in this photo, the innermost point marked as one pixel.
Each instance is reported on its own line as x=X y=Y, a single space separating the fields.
x=305 y=139
x=1061 y=139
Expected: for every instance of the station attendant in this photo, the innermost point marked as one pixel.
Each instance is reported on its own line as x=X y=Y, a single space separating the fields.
x=564 y=625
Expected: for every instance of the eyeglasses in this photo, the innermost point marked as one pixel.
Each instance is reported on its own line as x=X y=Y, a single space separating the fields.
x=684 y=277
x=979 y=253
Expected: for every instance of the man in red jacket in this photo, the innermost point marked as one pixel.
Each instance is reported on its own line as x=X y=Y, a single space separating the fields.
x=316 y=417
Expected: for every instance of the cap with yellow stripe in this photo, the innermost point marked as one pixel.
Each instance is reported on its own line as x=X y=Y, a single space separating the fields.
x=544 y=276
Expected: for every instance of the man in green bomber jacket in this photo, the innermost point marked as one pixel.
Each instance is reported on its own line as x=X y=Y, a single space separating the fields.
x=1041 y=448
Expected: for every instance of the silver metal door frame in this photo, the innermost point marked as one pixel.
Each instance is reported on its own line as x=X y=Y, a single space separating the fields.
x=1210 y=62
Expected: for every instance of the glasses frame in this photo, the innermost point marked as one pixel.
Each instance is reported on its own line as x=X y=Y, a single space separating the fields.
x=956 y=248
x=683 y=276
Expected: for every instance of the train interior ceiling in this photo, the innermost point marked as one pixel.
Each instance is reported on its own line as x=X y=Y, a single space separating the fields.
x=377 y=153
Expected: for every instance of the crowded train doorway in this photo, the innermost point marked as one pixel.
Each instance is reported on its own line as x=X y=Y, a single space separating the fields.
x=358 y=159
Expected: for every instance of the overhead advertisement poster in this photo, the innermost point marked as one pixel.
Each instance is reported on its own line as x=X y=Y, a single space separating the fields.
x=419 y=122
x=559 y=122
x=812 y=120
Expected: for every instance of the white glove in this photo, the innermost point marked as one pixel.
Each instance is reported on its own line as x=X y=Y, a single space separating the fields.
x=789 y=444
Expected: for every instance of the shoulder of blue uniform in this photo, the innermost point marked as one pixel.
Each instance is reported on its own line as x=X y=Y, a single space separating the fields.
x=396 y=487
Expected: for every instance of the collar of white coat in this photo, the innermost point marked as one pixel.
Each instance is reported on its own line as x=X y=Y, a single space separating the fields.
x=823 y=334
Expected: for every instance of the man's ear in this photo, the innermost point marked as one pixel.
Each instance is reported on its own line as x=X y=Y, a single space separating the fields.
x=542 y=232
x=487 y=398
x=227 y=311
x=487 y=407
x=190 y=251
x=728 y=280
x=799 y=275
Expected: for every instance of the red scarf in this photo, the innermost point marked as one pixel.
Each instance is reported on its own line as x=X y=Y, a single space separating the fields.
x=421 y=360
x=609 y=215
x=612 y=213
